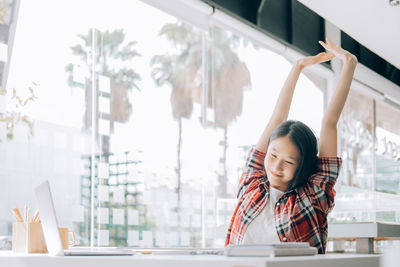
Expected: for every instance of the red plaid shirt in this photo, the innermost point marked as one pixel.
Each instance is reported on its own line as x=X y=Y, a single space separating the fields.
x=300 y=214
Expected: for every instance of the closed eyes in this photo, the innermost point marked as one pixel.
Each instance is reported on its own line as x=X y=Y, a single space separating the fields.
x=286 y=162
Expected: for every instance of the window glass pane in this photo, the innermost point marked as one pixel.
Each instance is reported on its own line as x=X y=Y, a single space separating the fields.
x=387 y=161
x=41 y=60
x=388 y=148
x=154 y=149
x=355 y=200
x=168 y=155
x=245 y=81
x=356 y=142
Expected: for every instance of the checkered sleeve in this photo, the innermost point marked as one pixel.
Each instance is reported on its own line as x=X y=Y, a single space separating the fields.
x=324 y=180
x=253 y=172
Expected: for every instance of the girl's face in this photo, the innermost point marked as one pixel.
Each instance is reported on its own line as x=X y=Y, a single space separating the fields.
x=281 y=162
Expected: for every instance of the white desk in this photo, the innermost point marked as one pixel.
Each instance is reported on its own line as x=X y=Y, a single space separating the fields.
x=364 y=233
x=8 y=259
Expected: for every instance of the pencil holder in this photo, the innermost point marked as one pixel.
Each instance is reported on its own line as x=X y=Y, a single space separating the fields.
x=28 y=238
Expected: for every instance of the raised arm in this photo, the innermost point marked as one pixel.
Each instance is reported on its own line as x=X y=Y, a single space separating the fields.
x=282 y=106
x=328 y=136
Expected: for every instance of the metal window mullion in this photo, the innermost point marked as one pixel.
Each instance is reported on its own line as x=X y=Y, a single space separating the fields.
x=93 y=136
x=204 y=105
x=374 y=139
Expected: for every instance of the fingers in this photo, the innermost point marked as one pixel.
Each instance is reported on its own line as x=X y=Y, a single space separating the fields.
x=325 y=55
x=323 y=45
x=330 y=43
x=329 y=56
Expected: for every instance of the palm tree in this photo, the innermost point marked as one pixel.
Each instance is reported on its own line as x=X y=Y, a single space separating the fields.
x=227 y=77
x=179 y=70
x=113 y=57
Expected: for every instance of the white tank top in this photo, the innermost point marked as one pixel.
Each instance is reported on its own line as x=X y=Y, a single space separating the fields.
x=262 y=229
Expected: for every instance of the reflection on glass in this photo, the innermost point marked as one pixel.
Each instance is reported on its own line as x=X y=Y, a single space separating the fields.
x=388 y=149
x=114 y=78
x=229 y=77
x=55 y=149
x=356 y=201
x=357 y=142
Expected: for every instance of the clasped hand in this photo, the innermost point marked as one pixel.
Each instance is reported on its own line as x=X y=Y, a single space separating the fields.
x=333 y=51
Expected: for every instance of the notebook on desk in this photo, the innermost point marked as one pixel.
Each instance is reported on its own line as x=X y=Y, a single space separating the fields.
x=271 y=250
x=51 y=233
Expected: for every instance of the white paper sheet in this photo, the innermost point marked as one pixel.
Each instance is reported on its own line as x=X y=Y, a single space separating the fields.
x=77 y=213
x=133 y=217
x=103 y=216
x=147 y=238
x=102 y=170
x=104 y=104
x=118 y=216
x=118 y=195
x=104 y=127
x=103 y=238
x=133 y=238
x=104 y=84
x=104 y=193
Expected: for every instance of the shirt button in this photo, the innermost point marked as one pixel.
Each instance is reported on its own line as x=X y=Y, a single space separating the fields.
x=284 y=238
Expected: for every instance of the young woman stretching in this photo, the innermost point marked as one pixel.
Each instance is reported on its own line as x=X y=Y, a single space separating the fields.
x=286 y=190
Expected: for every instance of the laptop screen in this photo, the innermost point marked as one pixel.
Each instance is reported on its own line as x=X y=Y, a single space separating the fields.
x=49 y=219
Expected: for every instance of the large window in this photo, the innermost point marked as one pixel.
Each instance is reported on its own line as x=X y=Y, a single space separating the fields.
x=142 y=122
x=369 y=140
x=356 y=133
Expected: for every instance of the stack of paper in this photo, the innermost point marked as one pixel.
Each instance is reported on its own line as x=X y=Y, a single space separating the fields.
x=271 y=250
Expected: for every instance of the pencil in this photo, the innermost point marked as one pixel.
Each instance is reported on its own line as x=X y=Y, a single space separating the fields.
x=17 y=215
x=36 y=216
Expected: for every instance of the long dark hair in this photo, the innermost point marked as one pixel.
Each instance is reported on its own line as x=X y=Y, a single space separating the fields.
x=306 y=142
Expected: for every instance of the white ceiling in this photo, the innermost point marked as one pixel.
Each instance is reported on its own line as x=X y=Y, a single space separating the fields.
x=373 y=23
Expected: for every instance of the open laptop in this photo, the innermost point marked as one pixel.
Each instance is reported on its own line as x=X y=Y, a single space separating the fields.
x=52 y=236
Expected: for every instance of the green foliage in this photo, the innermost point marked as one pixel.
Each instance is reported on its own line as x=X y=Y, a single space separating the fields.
x=13 y=118
x=3 y=12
